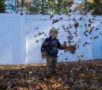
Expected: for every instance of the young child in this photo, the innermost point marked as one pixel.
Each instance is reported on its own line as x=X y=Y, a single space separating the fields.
x=49 y=50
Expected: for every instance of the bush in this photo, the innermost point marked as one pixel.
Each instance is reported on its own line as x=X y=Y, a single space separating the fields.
x=95 y=7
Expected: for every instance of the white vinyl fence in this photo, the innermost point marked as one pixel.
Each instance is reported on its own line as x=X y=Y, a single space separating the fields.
x=21 y=37
x=12 y=39
x=39 y=24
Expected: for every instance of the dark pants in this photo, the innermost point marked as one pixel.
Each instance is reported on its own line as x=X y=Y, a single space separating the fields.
x=51 y=64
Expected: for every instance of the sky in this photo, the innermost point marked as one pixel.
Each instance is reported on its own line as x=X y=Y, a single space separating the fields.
x=78 y=1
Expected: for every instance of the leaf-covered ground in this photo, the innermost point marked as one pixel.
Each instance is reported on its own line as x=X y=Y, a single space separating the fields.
x=70 y=76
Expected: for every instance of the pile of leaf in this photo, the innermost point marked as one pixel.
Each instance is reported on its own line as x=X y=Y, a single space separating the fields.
x=70 y=76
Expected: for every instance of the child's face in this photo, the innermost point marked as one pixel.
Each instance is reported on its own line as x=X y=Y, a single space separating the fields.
x=53 y=34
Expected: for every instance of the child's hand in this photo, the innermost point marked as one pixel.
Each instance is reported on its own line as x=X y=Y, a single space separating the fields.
x=72 y=49
x=66 y=48
x=44 y=55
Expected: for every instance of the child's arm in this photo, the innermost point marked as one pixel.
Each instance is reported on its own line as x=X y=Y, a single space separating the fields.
x=62 y=46
x=72 y=49
x=43 y=49
x=59 y=46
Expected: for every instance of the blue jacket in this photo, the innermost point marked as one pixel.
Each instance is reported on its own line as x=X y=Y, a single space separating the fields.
x=51 y=46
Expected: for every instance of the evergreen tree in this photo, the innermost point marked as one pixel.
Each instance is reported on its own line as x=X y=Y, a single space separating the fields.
x=37 y=7
x=2 y=6
x=58 y=6
x=49 y=7
x=41 y=6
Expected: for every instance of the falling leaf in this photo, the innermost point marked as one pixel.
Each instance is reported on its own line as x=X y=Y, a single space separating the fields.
x=81 y=26
x=55 y=21
x=95 y=37
x=60 y=53
x=70 y=25
x=89 y=25
x=51 y=16
x=85 y=25
x=61 y=18
x=42 y=39
x=66 y=58
x=100 y=34
x=76 y=25
x=97 y=29
x=91 y=38
x=61 y=35
x=81 y=18
x=74 y=20
x=63 y=27
x=37 y=41
x=45 y=34
x=39 y=33
x=36 y=28
x=90 y=20
x=86 y=43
